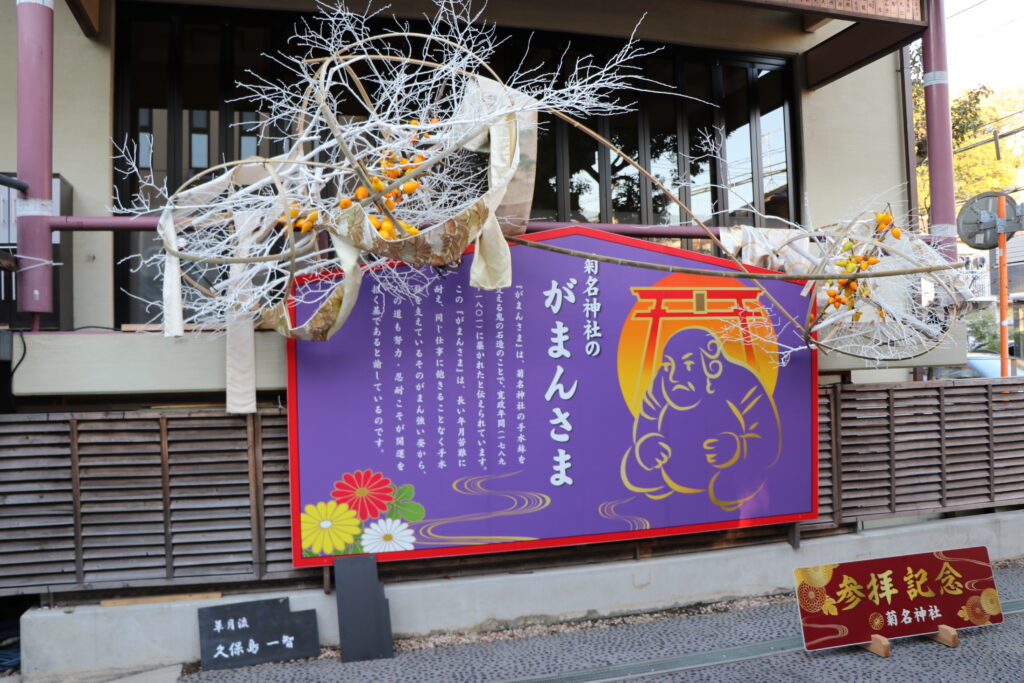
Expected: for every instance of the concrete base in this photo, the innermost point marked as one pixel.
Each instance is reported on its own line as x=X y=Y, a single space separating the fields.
x=167 y=674
x=90 y=641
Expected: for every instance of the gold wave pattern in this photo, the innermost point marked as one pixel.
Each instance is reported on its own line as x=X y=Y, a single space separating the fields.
x=607 y=510
x=519 y=503
x=973 y=584
x=840 y=632
x=979 y=584
x=945 y=557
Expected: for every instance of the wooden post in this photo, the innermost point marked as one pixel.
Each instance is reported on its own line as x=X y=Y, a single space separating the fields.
x=946 y=635
x=879 y=645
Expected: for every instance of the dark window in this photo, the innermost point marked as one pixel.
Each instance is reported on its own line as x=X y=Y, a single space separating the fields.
x=726 y=150
x=176 y=77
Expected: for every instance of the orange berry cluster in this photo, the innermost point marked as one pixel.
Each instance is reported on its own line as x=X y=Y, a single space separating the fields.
x=421 y=136
x=836 y=299
x=298 y=218
x=392 y=167
x=847 y=289
x=885 y=222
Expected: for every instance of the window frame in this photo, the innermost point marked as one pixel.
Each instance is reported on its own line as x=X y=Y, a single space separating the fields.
x=228 y=19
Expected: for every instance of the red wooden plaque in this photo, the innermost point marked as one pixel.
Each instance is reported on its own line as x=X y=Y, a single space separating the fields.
x=909 y=595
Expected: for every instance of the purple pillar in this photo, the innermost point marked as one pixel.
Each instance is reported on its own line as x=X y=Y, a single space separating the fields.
x=35 y=153
x=938 y=122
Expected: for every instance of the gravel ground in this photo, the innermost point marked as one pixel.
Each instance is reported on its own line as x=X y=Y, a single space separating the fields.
x=987 y=654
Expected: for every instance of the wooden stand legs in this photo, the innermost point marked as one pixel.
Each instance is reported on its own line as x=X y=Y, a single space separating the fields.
x=947 y=635
x=880 y=646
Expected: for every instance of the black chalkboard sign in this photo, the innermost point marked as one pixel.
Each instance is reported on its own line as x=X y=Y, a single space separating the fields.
x=246 y=633
x=364 y=616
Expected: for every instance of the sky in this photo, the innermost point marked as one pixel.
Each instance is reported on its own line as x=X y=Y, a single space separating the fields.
x=985 y=43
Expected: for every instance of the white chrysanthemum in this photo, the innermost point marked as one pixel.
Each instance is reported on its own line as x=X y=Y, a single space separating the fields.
x=388 y=535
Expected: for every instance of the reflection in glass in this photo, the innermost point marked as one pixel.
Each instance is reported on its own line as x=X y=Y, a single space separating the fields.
x=247 y=130
x=545 y=188
x=739 y=166
x=584 y=178
x=625 y=179
x=664 y=150
x=148 y=48
x=774 y=157
x=199 y=139
x=144 y=140
x=700 y=155
x=201 y=97
x=250 y=130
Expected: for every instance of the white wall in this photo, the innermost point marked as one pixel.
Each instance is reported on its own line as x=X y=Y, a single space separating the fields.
x=854 y=144
x=82 y=128
x=94 y=363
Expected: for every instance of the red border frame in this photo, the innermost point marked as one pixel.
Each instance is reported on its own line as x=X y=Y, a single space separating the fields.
x=293 y=442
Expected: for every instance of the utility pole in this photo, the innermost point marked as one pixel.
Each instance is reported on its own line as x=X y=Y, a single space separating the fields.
x=939 y=127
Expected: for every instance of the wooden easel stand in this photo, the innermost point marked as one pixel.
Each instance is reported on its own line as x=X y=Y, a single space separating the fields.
x=880 y=645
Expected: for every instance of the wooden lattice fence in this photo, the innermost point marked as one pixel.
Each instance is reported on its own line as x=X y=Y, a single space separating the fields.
x=101 y=501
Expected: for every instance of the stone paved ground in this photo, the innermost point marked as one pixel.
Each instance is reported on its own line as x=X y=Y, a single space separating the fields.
x=989 y=654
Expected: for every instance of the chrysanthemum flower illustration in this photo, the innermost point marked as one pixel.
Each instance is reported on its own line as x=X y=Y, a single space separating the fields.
x=328 y=527
x=388 y=535
x=368 y=493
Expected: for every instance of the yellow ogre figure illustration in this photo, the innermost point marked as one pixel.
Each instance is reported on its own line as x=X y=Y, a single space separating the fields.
x=706 y=425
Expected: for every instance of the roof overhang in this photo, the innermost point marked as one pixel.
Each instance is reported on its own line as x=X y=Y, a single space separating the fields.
x=860 y=44
x=900 y=11
x=87 y=13
x=879 y=28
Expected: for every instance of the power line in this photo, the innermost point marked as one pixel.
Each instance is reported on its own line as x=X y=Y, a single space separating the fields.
x=991 y=31
x=956 y=14
x=1001 y=118
x=986 y=141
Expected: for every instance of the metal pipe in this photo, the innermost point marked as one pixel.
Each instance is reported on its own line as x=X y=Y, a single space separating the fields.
x=939 y=124
x=19 y=185
x=630 y=229
x=142 y=223
x=1004 y=336
x=113 y=223
x=35 y=154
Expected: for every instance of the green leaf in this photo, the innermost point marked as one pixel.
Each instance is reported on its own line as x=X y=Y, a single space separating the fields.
x=405 y=492
x=352 y=549
x=393 y=512
x=411 y=511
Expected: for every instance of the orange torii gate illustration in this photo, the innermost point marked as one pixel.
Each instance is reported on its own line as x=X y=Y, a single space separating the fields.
x=715 y=304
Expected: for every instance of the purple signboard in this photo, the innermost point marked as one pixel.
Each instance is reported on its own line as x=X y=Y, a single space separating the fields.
x=590 y=401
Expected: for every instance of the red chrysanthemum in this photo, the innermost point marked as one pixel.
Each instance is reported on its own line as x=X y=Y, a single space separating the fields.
x=366 y=492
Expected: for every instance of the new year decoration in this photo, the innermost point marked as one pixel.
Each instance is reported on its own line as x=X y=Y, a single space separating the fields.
x=406 y=147
x=400 y=147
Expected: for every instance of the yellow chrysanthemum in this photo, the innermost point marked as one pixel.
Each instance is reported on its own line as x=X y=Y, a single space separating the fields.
x=327 y=527
x=816 y=577
x=990 y=601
